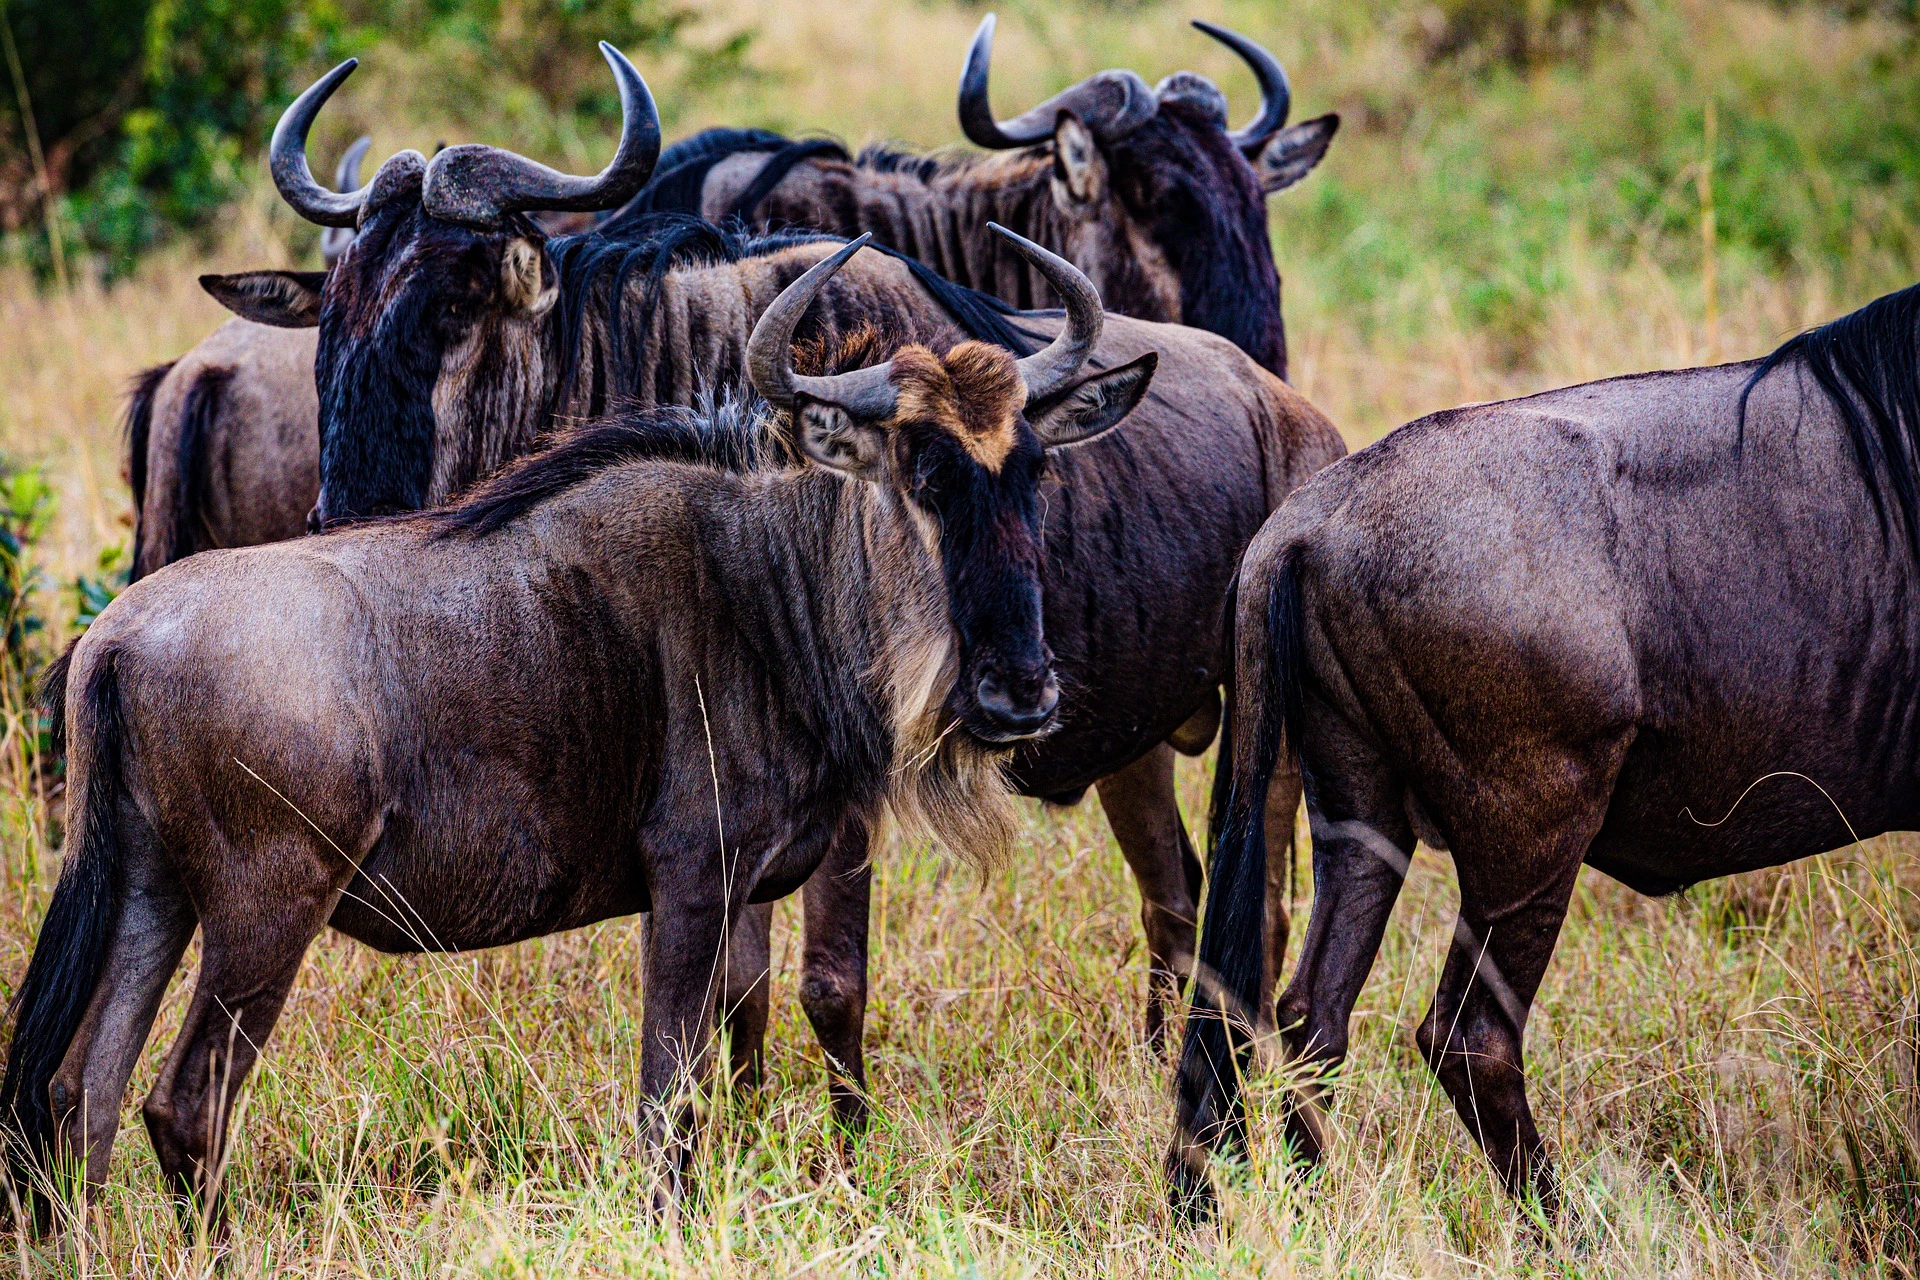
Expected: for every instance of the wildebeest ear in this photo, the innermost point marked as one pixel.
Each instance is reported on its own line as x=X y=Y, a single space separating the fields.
x=524 y=284
x=1293 y=152
x=1092 y=406
x=838 y=441
x=284 y=299
x=1079 y=169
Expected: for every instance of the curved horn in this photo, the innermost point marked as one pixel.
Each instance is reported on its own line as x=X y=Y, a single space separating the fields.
x=1046 y=372
x=1276 y=95
x=1112 y=104
x=287 y=157
x=334 y=240
x=481 y=186
x=864 y=393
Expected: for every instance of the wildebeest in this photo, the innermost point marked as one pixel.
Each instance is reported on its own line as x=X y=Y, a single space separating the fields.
x=1666 y=625
x=223 y=443
x=500 y=721
x=450 y=340
x=1147 y=190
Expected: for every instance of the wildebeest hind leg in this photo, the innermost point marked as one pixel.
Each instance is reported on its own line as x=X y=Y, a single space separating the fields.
x=156 y=922
x=1361 y=846
x=833 y=985
x=255 y=930
x=1145 y=816
x=1518 y=849
x=1283 y=809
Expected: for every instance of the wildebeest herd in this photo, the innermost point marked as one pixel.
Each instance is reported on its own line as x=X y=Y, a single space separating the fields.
x=522 y=570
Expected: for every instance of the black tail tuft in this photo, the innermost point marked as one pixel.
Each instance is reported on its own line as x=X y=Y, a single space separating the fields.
x=146 y=385
x=72 y=947
x=1226 y=990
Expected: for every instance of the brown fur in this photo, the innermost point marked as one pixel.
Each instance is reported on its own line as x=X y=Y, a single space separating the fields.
x=973 y=393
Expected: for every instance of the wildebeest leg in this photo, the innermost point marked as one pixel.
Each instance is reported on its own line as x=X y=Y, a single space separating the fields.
x=1517 y=844
x=1361 y=846
x=686 y=948
x=1145 y=816
x=156 y=922
x=745 y=993
x=833 y=985
x=1283 y=810
x=1472 y=1035
x=253 y=938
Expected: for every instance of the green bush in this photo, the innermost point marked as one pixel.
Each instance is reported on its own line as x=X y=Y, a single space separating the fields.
x=153 y=113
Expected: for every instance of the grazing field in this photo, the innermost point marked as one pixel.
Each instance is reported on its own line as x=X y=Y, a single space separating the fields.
x=1727 y=1077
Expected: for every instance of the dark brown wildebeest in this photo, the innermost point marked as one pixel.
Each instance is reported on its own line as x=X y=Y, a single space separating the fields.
x=497 y=722
x=223 y=444
x=1598 y=625
x=1147 y=190
x=450 y=341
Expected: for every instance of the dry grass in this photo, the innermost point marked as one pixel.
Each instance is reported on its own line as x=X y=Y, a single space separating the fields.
x=1728 y=1078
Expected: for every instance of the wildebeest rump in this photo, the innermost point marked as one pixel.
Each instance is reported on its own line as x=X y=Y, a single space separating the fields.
x=1666 y=625
x=447 y=347
x=1148 y=191
x=223 y=443
x=498 y=721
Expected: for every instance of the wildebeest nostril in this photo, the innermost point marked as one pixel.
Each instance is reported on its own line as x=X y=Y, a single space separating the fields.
x=314 y=522
x=1020 y=706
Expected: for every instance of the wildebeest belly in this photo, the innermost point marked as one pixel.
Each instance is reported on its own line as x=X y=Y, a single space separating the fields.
x=414 y=894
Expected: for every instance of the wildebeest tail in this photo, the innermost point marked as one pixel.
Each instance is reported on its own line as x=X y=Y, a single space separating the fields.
x=146 y=384
x=1260 y=704
x=71 y=950
x=196 y=429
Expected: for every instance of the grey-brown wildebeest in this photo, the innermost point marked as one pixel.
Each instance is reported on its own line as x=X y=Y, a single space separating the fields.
x=451 y=341
x=496 y=722
x=1667 y=626
x=1147 y=190
x=223 y=444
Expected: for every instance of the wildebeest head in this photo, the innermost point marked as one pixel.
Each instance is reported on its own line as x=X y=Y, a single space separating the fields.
x=961 y=440
x=1149 y=176
x=446 y=273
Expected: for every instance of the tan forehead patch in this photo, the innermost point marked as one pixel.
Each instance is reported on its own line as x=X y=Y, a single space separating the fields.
x=975 y=394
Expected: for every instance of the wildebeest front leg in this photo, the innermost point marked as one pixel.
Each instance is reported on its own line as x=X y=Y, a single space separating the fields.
x=746 y=992
x=686 y=955
x=1145 y=816
x=833 y=985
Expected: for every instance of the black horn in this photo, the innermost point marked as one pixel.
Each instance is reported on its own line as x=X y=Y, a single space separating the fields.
x=334 y=240
x=1046 y=372
x=1112 y=104
x=480 y=186
x=287 y=157
x=864 y=393
x=1276 y=95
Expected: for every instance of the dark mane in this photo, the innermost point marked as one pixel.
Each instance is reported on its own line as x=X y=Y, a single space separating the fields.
x=682 y=169
x=604 y=261
x=880 y=157
x=724 y=433
x=652 y=244
x=1868 y=364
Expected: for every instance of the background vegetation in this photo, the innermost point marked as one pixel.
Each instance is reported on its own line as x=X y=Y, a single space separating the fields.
x=1524 y=193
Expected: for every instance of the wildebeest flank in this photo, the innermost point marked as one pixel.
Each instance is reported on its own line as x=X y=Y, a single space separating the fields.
x=1665 y=625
